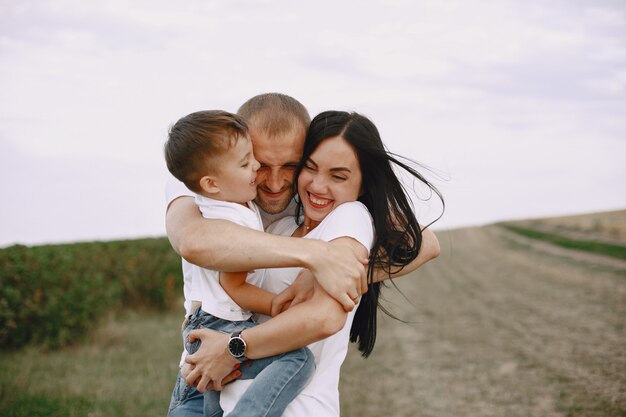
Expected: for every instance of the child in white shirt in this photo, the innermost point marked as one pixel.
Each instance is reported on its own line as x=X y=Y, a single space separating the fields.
x=211 y=153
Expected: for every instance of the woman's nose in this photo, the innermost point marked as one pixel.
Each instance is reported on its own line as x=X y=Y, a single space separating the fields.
x=318 y=184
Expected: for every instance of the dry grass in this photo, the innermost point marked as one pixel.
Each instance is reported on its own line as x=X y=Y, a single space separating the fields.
x=609 y=227
x=127 y=369
x=502 y=326
x=500 y=329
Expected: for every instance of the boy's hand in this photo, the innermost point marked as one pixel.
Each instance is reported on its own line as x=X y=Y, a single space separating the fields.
x=298 y=292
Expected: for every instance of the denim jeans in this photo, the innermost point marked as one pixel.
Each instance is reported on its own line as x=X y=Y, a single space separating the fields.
x=277 y=379
x=186 y=400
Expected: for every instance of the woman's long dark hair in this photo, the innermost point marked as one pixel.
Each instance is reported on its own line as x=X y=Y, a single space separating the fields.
x=397 y=234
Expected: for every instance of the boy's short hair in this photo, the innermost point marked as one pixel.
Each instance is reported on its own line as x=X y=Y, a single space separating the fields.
x=275 y=113
x=195 y=141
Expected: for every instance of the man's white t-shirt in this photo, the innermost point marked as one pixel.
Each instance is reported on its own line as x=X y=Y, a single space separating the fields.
x=320 y=398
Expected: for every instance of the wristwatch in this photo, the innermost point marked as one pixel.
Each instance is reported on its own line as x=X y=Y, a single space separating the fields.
x=237 y=346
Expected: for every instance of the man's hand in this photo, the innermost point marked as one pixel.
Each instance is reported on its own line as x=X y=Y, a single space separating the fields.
x=301 y=290
x=340 y=270
x=212 y=364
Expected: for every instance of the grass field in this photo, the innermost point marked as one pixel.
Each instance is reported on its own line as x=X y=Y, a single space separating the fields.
x=501 y=325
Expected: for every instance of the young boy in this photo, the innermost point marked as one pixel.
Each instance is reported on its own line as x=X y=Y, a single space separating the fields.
x=211 y=153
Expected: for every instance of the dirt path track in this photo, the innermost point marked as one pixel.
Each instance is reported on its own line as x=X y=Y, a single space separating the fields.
x=501 y=327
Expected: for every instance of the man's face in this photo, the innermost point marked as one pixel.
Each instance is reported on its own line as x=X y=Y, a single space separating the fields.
x=278 y=156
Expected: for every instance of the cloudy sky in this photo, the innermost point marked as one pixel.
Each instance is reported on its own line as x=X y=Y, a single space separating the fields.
x=518 y=106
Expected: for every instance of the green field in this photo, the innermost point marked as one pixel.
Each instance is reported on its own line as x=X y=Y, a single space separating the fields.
x=500 y=325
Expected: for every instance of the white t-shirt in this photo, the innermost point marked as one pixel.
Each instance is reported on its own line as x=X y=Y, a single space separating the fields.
x=175 y=189
x=320 y=398
x=200 y=287
x=205 y=283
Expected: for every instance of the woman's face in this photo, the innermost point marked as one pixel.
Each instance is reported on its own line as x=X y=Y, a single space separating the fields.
x=331 y=176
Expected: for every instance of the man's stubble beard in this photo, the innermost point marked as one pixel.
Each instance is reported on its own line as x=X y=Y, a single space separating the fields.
x=273 y=207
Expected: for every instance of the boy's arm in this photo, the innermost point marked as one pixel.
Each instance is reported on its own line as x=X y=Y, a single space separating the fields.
x=247 y=296
x=200 y=241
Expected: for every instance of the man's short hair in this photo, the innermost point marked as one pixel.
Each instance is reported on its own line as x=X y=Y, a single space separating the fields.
x=275 y=113
x=195 y=141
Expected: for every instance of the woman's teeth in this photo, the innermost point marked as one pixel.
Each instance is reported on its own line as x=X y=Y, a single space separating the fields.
x=319 y=201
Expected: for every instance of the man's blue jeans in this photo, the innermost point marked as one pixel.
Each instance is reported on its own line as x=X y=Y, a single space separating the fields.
x=277 y=379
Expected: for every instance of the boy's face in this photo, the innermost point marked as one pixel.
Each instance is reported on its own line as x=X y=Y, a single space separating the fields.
x=278 y=155
x=237 y=172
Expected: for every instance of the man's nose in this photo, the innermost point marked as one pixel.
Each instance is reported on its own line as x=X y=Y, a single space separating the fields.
x=275 y=181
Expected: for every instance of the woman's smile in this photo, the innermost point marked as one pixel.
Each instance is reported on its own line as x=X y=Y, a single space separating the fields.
x=317 y=201
x=331 y=176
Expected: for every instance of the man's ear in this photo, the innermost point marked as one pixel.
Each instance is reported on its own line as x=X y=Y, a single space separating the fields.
x=209 y=185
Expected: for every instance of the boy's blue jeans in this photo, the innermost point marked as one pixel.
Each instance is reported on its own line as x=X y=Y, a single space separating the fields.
x=277 y=379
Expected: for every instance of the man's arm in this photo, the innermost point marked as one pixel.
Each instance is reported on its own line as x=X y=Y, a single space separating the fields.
x=300 y=290
x=224 y=246
x=428 y=250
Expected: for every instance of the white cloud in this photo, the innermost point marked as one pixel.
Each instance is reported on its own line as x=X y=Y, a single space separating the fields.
x=504 y=98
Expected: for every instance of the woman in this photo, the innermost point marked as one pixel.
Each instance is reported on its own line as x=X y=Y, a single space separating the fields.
x=345 y=176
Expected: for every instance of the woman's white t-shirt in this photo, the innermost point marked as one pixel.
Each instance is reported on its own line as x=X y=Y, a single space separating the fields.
x=320 y=398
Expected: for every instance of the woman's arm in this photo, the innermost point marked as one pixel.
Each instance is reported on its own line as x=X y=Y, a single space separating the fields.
x=201 y=241
x=313 y=320
x=319 y=317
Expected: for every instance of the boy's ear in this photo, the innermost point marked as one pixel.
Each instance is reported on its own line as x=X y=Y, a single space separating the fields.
x=209 y=185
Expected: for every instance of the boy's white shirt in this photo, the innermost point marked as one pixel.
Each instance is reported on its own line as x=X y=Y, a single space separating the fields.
x=205 y=283
x=210 y=208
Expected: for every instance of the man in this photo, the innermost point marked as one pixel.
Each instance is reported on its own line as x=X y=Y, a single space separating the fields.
x=278 y=125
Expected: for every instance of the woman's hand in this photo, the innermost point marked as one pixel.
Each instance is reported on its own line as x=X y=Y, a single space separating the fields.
x=298 y=292
x=211 y=366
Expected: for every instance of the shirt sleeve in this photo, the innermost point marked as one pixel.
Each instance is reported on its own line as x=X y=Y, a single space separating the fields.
x=348 y=220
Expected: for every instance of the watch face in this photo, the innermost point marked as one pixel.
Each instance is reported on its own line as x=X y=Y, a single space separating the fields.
x=237 y=347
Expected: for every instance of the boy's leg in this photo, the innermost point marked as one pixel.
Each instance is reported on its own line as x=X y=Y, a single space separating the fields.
x=186 y=401
x=210 y=400
x=277 y=381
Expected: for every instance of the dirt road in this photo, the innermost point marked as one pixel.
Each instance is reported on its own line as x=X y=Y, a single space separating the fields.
x=501 y=326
